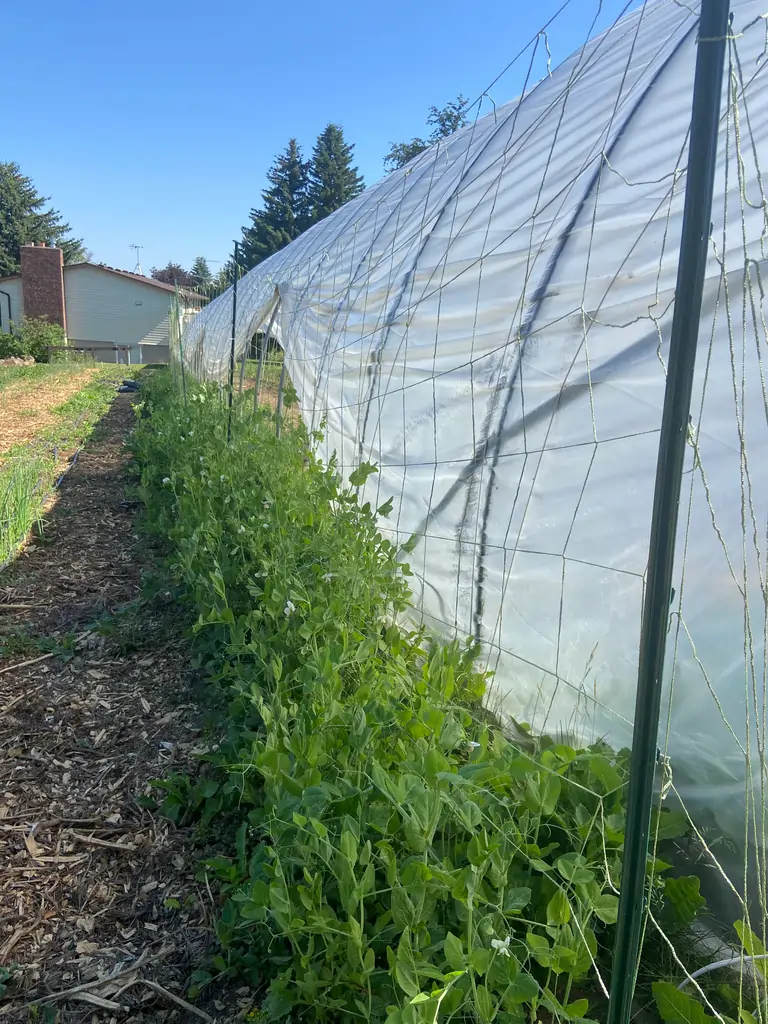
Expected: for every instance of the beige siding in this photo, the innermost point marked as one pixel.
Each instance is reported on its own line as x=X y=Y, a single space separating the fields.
x=109 y=309
x=13 y=288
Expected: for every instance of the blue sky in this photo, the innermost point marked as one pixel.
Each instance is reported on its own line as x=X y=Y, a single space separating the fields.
x=154 y=123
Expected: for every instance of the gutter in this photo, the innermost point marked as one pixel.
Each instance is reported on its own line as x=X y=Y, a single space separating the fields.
x=10 y=312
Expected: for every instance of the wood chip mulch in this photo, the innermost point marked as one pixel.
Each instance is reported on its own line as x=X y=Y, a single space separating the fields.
x=101 y=915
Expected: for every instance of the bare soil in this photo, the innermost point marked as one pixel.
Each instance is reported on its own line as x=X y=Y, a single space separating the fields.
x=93 y=886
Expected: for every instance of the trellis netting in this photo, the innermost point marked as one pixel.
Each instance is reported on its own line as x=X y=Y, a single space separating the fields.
x=490 y=325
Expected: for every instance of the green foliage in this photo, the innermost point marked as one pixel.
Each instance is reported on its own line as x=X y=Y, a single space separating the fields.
x=5 y=977
x=10 y=347
x=31 y=337
x=678 y=1007
x=286 y=211
x=201 y=273
x=24 y=219
x=299 y=193
x=333 y=180
x=393 y=855
x=721 y=1001
x=684 y=902
x=175 y=274
x=444 y=122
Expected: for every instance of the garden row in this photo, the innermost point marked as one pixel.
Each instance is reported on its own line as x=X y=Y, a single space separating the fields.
x=29 y=471
x=392 y=856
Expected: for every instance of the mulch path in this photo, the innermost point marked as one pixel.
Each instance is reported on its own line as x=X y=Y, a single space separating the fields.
x=92 y=885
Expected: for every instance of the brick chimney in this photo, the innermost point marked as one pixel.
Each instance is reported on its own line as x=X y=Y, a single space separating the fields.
x=42 y=282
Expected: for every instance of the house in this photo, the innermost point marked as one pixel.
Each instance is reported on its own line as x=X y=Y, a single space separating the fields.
x=118 y=316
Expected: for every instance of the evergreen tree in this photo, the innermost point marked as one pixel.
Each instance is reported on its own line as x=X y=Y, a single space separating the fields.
x=24 y=218
x=443 y=121
x=333 y=180
x=201 y=273
x=286 y=211
x=222 y=279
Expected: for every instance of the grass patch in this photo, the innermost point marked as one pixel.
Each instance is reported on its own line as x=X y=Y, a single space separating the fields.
x=389 y=854
x=30 y=375
x=28 y=472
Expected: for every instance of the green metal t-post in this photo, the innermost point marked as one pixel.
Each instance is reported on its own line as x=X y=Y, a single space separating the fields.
x=697 y=213
x=232 y=346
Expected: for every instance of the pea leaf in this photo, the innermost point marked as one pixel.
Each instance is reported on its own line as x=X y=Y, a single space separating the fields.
x=479 y=960
x=678 y=1007
x=516 y=899
x=484 y=1004
x=606 y=907
x=577 y=1008
x=453 y=948
x=558 y=909
x=684 y=901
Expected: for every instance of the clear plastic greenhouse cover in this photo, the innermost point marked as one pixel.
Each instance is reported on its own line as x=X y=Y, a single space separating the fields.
x=490 y=326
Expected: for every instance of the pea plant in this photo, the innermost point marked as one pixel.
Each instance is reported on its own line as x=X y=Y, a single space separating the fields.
x=393 y=855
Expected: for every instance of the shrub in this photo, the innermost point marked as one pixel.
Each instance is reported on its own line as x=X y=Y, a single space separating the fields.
x=10 y=347
x=31 y=337
x=394 y=856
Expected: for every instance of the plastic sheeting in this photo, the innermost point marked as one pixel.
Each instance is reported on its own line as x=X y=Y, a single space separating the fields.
x=490 y=326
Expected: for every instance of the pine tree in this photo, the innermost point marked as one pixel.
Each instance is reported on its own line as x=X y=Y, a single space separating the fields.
x=23 y=219
x=222 y=279
x=286 y=211
x=333 y=180
x=201 y=273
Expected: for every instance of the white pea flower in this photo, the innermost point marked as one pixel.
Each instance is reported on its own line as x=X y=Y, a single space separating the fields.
x=328 y=577
x=473 y=745
x=265 y=525
x=191 y=433
x=166 y=480
x=265 y=504
x=222 y=478
x=241 y=529
x=501 y=946
x=202 y=459
x=289 y=609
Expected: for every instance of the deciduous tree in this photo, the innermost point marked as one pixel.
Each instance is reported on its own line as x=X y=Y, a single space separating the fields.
x=444 y=121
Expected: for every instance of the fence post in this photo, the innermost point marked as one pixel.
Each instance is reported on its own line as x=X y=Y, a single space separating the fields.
x=177 y=319
x=264 y=344
x=697 y=212
x=232 y=346
x=279 y=413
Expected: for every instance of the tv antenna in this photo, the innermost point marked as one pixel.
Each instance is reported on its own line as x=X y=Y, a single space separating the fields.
x=137 y=248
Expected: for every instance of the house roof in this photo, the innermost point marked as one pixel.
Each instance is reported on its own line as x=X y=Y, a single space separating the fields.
x=122 y=273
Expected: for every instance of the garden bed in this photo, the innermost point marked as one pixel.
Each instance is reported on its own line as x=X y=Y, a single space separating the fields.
x=30 y=402
x=394 y=856
x=66 y=405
